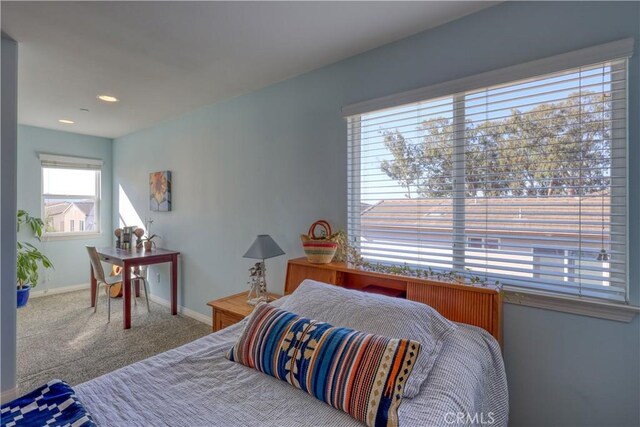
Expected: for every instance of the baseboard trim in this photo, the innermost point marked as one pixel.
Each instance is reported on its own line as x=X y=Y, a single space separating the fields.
x=8 y=395
x=183 y=310
x=60 y=290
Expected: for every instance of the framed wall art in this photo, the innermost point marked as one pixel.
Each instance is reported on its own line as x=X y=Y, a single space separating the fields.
x=160 y=191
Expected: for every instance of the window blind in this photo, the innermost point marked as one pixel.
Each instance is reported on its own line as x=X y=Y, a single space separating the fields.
x=523 y=182
x=69 y=162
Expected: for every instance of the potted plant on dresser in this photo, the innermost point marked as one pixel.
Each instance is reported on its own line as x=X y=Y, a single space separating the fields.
x=29 y=258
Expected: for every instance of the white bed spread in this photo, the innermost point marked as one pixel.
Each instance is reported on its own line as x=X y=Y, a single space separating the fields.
x=195 y=385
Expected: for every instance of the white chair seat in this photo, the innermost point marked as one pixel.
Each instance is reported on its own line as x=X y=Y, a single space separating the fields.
x=110 y=280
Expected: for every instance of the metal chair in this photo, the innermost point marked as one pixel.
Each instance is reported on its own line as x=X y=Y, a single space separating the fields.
x=140 y=273
x=108 y=282
x=137 y=273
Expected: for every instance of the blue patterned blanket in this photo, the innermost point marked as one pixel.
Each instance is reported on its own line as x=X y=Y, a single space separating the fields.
x=53 y=404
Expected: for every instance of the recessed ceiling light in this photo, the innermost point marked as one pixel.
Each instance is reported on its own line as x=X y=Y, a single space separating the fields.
x=66 y=121
x=107 y=98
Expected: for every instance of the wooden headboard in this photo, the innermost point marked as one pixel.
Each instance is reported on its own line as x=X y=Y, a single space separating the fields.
x=473 y=305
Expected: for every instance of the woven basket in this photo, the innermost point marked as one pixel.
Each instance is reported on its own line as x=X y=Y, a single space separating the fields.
x=319 y=250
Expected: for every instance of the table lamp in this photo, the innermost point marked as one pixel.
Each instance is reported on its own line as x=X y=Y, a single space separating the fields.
x=264 y=247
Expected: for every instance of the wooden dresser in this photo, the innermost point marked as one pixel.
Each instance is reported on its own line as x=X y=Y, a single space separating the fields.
x=475 y=305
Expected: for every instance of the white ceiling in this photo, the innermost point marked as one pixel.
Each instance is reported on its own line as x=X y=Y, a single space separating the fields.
x=163 y=59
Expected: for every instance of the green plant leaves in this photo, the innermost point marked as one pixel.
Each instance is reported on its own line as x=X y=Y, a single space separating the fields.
x=29 y=257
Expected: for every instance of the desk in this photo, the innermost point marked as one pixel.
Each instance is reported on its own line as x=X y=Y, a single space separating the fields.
x=136 y=258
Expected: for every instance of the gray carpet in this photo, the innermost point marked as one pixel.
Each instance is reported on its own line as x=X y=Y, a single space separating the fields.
x=59 y=336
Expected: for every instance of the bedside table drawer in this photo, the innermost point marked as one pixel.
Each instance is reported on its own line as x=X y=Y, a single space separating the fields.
x=223 y=320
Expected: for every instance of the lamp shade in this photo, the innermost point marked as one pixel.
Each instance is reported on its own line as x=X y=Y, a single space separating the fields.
x=263 y=247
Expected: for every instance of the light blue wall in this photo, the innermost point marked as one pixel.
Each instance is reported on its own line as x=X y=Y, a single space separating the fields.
x=274 y=160
x=8 y=160
x=69 y=256
x=247 y=167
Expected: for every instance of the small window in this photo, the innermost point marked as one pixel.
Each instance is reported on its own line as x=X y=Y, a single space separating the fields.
x=474 y=242
x=483 y=243
x=70 y=195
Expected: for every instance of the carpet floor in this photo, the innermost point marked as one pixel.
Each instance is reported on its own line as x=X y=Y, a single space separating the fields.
x=59 y=336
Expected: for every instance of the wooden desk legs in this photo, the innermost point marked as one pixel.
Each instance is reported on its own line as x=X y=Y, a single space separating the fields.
x=94 y=284
x=174 y=284
x=127 y=294
x=126 y=303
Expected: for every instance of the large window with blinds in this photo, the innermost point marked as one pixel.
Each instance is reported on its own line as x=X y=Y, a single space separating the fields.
x=523 y=182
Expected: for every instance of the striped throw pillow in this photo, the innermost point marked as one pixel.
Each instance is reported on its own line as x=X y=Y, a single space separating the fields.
x=358 y=373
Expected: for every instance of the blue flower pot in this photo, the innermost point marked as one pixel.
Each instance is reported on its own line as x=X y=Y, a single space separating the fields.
x=23 y=295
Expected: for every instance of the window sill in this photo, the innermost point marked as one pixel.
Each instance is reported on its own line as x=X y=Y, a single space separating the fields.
x=70 y=236
x=619 y=312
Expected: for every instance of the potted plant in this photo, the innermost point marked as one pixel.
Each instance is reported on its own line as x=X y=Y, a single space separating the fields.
x=148 y=242
x=29 y=258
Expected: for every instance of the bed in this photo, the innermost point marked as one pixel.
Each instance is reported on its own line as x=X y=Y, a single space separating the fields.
x=195 y=385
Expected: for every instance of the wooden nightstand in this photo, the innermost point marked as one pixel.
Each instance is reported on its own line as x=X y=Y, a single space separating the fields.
x=230 y=310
